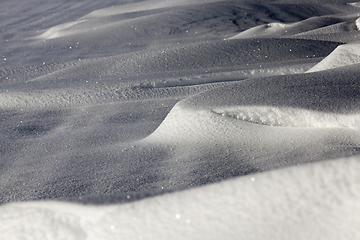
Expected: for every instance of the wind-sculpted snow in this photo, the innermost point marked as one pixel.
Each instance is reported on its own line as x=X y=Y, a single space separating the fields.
x=226 y=76
x=256 y=120
x=344 y=55
x=167 y=119
x=128 y=28
x=312 y=26
x=206 y=56
x=334 y=91
x=290 y=117
x=357 y=22
x=314 y=197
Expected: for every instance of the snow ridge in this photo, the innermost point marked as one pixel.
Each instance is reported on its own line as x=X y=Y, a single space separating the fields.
x=289 y=117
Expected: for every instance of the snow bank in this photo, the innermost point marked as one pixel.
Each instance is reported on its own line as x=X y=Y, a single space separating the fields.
x=301 y=118
x=313 y=25
x=344 y=55
x=267 y=30
x=315 y=201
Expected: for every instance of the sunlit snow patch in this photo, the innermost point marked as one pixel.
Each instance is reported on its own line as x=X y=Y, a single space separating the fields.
x=265 y=30
x=289 y=117
x=357 y=22
x=344 y=55
x=143 y=6
x=355 y=4
x=61 y=30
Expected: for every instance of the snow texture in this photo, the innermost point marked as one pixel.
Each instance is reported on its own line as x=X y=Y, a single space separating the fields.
x=168 y=119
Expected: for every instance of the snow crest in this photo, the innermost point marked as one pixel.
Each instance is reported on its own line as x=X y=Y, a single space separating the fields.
x=357 y=22
x=344 y=55
x=289 y=117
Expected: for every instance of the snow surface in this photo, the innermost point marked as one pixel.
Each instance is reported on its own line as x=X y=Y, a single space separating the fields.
x=289 y=117
x=343 y=55
x=166 y=119
x=278 y=204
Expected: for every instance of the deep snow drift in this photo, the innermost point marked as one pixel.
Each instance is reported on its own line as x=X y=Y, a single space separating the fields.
x=179 y=119
x=279 y=204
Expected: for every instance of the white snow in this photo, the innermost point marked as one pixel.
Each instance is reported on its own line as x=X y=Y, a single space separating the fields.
x=314 y=201
x=166 y=119
x=289 y=117
x=343 y=55
x=357 y=22
x=59 y=31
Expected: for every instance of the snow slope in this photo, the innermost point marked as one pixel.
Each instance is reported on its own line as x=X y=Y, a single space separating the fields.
x=344 y=55
x=315 y=201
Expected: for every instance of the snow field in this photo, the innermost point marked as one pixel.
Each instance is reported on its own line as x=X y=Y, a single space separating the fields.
x=170 y=120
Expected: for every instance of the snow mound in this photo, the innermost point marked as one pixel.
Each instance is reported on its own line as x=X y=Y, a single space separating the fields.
x=334 y=29
x=355 y=4
x=308 y=28
x=301 y=198
x=150 y=24
x=99 y=19
x=267 y=123
x=144 y=6
x=344 y=55
x=206 y=57
x=277 y=29
x=357 y=22
x=266 y=30
x=289 y=117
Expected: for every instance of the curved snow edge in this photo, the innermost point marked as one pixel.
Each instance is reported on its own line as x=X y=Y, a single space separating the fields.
x=294 y=199
x=289 y=117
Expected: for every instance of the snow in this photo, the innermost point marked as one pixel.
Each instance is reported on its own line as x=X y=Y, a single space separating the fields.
x=277 y=204
x=166 y=119
x=343 y=55
x=288 y=117
x=357 y=22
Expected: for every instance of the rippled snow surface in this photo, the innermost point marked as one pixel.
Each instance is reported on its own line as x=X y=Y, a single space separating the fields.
x=290 y=117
